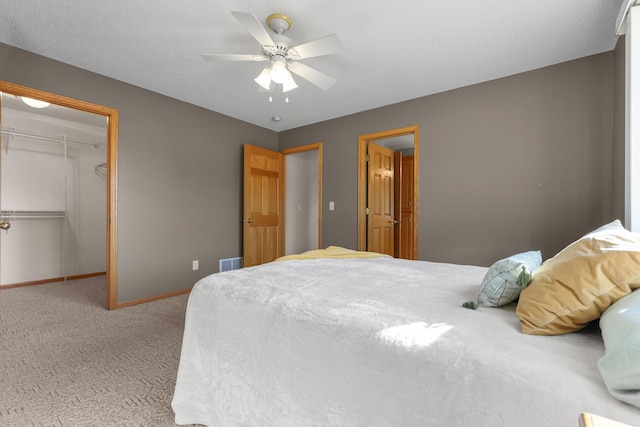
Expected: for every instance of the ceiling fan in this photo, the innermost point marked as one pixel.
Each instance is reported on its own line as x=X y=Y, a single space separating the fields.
x=278 y=49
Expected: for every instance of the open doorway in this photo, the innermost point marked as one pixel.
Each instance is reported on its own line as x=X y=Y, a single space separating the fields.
x=388 y=192
x=303 y=198
x=265 y=195
x=61 y=148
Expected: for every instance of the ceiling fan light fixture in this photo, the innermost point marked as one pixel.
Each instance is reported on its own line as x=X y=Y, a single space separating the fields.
x=264 y=79
x=289 y=84
x=279 y=72
x=282 y=53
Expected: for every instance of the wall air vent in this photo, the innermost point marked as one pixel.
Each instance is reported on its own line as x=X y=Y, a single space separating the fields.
x=230 y=264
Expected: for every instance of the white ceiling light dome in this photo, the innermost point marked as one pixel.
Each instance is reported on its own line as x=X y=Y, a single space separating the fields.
x=35 y=103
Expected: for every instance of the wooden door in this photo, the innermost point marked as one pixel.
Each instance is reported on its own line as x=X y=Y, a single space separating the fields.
x=380 y=200
x=398 y=232
x=406 y=249
x=263 y=231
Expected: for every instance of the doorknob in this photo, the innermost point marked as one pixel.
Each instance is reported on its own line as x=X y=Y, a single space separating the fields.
x=248 y=220
x=5 y=225
x=394 y=221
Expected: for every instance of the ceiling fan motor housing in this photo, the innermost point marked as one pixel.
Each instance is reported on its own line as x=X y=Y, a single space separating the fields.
x=281 y=48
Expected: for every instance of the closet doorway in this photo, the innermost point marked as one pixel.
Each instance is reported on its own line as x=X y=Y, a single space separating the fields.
x=57 y=189
x=303 y=198
x=270 y=188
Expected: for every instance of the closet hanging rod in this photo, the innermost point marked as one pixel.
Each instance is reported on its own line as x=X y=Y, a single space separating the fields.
x=60 y=139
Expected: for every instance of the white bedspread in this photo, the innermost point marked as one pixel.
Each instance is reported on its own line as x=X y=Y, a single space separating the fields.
x=376 y=342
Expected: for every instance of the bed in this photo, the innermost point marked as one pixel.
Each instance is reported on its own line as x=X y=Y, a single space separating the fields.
x=367 y=340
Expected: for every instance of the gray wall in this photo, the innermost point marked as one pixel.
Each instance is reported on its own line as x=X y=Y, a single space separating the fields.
x=180 y=175
x=515 y=164
x=524 y=162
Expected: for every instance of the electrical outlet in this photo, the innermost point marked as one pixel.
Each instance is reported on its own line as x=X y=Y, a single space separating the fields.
x=194 y=264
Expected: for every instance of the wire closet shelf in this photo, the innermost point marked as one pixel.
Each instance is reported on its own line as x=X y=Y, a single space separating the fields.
x=31 y=214
x=11 y=132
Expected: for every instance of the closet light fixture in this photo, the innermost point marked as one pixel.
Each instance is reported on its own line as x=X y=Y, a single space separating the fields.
x=35 y=103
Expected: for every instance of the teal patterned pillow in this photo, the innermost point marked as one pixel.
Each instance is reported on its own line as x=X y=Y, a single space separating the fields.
x=506 y=278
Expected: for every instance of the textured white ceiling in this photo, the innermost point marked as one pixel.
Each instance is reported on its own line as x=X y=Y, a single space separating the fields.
x=394 y=51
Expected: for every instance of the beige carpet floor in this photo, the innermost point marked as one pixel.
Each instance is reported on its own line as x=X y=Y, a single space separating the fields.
x=65 y=360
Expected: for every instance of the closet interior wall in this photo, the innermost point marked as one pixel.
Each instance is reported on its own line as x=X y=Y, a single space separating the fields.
x=53 y=195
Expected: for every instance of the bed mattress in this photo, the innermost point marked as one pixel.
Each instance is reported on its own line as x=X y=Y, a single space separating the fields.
x=376 y=342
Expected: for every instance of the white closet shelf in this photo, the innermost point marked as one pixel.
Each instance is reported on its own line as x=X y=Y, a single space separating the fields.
x=16 y=214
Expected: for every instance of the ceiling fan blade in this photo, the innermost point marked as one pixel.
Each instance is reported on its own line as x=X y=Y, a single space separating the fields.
x=233 y=57
x=254 y=27
x=323 y=46
x=312 y=75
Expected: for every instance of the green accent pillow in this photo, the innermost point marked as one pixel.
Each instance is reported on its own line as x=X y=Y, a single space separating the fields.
x=506 y=278
x=620 y=366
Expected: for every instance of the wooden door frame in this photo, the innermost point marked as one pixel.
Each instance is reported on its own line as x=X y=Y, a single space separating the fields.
x=362 y=180
x=112 y=169
x=300 y=149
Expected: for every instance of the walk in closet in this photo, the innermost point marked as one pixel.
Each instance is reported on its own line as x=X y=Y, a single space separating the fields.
x=52 y=193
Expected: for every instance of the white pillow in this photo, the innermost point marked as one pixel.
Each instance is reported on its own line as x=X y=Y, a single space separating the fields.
x=620 y=366
x=501 y=286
